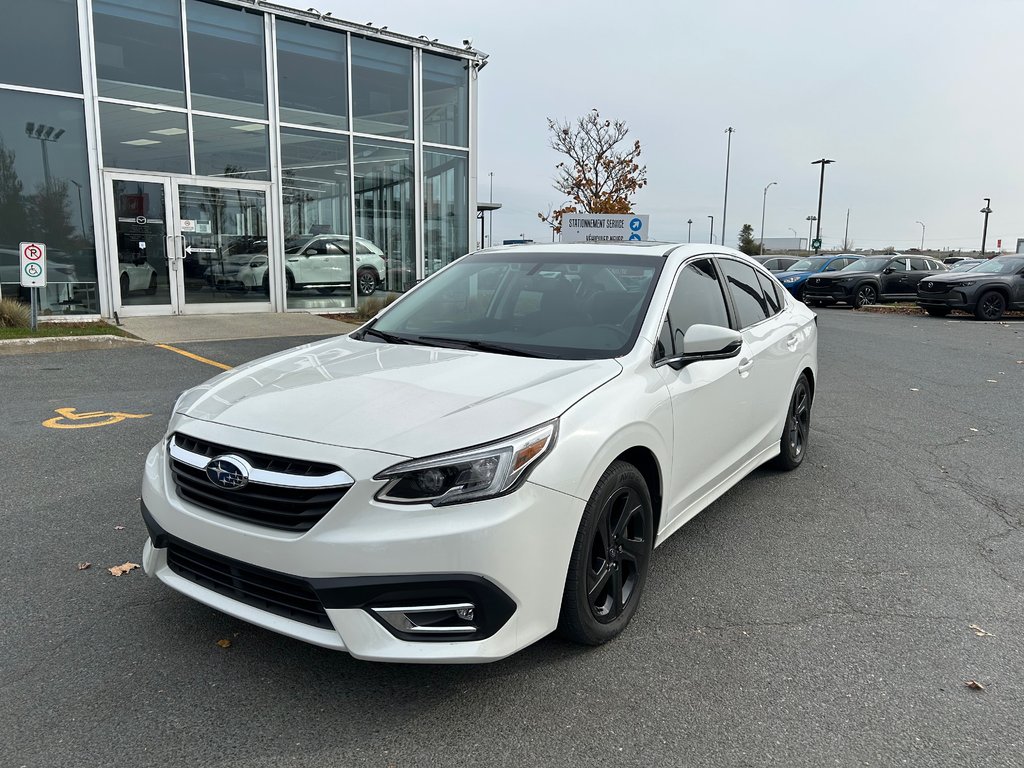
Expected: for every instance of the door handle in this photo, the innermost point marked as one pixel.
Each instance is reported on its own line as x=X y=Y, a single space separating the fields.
x=745 y=365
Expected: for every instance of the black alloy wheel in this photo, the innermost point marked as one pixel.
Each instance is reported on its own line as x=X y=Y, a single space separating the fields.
x=366 y=281
x=937 y=311
x=866 y=294
x=991 y=306
x=797 y=432
x=610 y=558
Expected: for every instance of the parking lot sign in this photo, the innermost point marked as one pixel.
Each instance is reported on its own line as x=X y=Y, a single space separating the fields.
x=33 y=265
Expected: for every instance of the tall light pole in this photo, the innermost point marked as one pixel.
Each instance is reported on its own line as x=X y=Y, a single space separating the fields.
x=490 y=214
x=689 y=228
x=764 y=199
x=821 y=189
x=810 y=228
x=45 y=134
x=81 y=211
x=793 y=231
x=984 y=232
x=922 y=234
x=725 y=203
x=711 y=232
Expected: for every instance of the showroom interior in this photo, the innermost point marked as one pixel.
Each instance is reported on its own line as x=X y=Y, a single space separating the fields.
x=189 y=156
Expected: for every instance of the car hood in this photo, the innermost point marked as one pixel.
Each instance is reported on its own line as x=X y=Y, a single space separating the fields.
x=842 y=274
x=401 y=399
x=784 y=275
x=956 y=277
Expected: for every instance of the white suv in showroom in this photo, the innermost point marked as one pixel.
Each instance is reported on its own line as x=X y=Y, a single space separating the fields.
x=492 y=458
x=318 y=261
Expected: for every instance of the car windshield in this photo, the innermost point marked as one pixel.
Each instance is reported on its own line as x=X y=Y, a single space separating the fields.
x=867 y=265
x=808 y=265
x=578 y=306
x=999 y=266
x=964 y=266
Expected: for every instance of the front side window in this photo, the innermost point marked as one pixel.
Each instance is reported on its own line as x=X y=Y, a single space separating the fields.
x=745 y=289
x=579 y=307
x=696 y=299
x=898 y=265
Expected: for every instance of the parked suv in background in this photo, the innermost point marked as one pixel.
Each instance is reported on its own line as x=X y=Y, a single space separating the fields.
x=873 y=278
x=986 y=290
x=796 y=276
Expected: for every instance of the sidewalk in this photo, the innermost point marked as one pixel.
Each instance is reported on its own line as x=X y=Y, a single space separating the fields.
x=182 y=329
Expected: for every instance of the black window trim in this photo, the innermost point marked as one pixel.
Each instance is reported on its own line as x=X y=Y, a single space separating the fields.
x=734 y=313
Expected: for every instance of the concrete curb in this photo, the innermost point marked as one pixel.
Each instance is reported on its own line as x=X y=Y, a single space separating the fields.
x=64 y=344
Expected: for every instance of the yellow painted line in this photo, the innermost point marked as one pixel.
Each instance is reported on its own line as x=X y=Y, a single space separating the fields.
x=106 y=418
x=214 y=363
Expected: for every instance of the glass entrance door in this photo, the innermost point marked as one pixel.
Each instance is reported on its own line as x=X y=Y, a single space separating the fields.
x=186 y=246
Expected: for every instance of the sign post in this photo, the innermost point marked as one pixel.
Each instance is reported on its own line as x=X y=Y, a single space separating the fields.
x=33 y=273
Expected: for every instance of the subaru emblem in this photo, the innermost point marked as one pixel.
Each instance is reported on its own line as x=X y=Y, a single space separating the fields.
x=229 y=472
x=928 y=285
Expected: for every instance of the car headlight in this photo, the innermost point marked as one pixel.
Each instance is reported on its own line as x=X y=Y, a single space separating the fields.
x=793 y=279
x=255 y=263
x=966 y=283
x=475 y=473
x=843 y=279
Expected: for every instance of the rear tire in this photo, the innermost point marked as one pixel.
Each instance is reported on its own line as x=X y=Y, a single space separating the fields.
x=610 y=558
x=366 y=281
x=797 y=431
x=991 y=306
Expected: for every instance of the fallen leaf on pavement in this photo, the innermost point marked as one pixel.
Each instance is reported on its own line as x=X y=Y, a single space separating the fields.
x=974 y=685
x=991 y=381
x=117 y=570
x=914 y=389
x=973 y=429
x=980 y=632
x=83 y=566
x=224 y=643
x=118 y=527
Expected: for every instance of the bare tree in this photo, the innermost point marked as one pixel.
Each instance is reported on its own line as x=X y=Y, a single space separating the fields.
x=597 y=176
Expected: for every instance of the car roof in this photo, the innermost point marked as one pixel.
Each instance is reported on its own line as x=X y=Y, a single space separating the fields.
x=624 y=248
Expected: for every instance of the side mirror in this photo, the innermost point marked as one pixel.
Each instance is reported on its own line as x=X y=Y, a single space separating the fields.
x=706 y=342
x=310 y=252
x=888 y=271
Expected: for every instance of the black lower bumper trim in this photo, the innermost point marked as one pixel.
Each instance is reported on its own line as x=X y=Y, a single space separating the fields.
x=492 y=607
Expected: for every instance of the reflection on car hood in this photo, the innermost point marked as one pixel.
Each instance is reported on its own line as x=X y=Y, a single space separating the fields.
x=956 y=277
x=843 y=274
x=402 y=399
x=784 y=275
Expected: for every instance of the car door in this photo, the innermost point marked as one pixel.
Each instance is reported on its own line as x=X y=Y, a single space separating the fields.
x=894 y=277
x=335 y=267
x=708 y=432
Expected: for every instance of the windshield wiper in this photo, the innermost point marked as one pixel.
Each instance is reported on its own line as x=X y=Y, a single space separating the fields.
x=482 y=346
x=388 y=337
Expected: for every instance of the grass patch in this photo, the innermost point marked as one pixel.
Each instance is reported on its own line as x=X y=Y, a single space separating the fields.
x=50 y=330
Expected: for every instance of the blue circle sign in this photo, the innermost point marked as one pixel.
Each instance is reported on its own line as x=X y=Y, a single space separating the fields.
x=636 y=224
x=635 y=236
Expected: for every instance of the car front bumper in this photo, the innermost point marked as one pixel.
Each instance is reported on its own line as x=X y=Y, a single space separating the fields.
x=830 y=293
x=951 y=300
x=506 y=557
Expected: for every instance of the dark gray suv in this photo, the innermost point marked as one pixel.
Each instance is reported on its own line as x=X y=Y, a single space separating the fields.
x=872 y=279
x=986 y=291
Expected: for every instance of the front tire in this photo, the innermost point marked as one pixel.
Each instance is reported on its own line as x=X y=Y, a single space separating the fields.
x=991 y=306
x=797 y=431
x=610 y=558
x=866 y=294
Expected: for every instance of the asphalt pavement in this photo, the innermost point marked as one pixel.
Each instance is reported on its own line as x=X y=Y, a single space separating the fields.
x=830 y=616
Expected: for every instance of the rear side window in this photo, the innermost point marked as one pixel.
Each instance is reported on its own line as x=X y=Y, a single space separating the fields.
x=771 y=293
x=696 y=299
x=920 y=265
x=745 y=289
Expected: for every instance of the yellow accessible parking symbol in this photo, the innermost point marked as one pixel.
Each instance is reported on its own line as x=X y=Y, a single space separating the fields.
x=68 y=419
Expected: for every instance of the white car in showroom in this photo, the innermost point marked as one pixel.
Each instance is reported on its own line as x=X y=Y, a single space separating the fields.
x=491 y=458
x=318 y=261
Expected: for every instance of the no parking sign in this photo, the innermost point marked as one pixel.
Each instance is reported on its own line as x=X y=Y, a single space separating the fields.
x=33 y=265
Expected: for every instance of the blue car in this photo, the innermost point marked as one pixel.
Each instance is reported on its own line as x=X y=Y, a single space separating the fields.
x=795 y=277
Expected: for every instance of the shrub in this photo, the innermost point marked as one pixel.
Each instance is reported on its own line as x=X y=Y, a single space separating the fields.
x=14 y=314
x=371 y=306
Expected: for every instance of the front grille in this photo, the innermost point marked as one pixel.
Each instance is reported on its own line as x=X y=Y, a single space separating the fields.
x=280 y=505
x=935 y=288
x=269 y=591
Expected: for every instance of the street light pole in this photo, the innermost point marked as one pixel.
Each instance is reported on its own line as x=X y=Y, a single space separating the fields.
x=984 y=232
x=810 y=227
x=81 y=211
x=764 y=200
x=922 y=234
x=725 y=204
x=821 y=190
x=490 y=214
x=689 y=228
x=45 y=134
x=711 y=232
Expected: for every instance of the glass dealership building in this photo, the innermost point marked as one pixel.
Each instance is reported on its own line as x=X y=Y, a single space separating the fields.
x=185 y=156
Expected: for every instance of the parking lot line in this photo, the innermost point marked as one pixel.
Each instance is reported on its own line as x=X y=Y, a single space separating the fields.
x=214 y=363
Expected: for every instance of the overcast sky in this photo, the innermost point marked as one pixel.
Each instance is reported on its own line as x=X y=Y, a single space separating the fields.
x=919 y=102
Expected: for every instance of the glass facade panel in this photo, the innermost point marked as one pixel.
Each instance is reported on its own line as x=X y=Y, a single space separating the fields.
x=381 y=89
x=445 y=208
x=143 y=271
x=139 y=51
x=227 y=60
x=445 y=100
x=45 y=196
x=144 y=139
x=311 y=74
x=39 y=44
x=231 y=149
x=385 y=207
x=315 y=196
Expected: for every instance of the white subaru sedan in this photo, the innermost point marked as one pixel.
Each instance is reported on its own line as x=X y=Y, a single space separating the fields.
x=492 y=458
